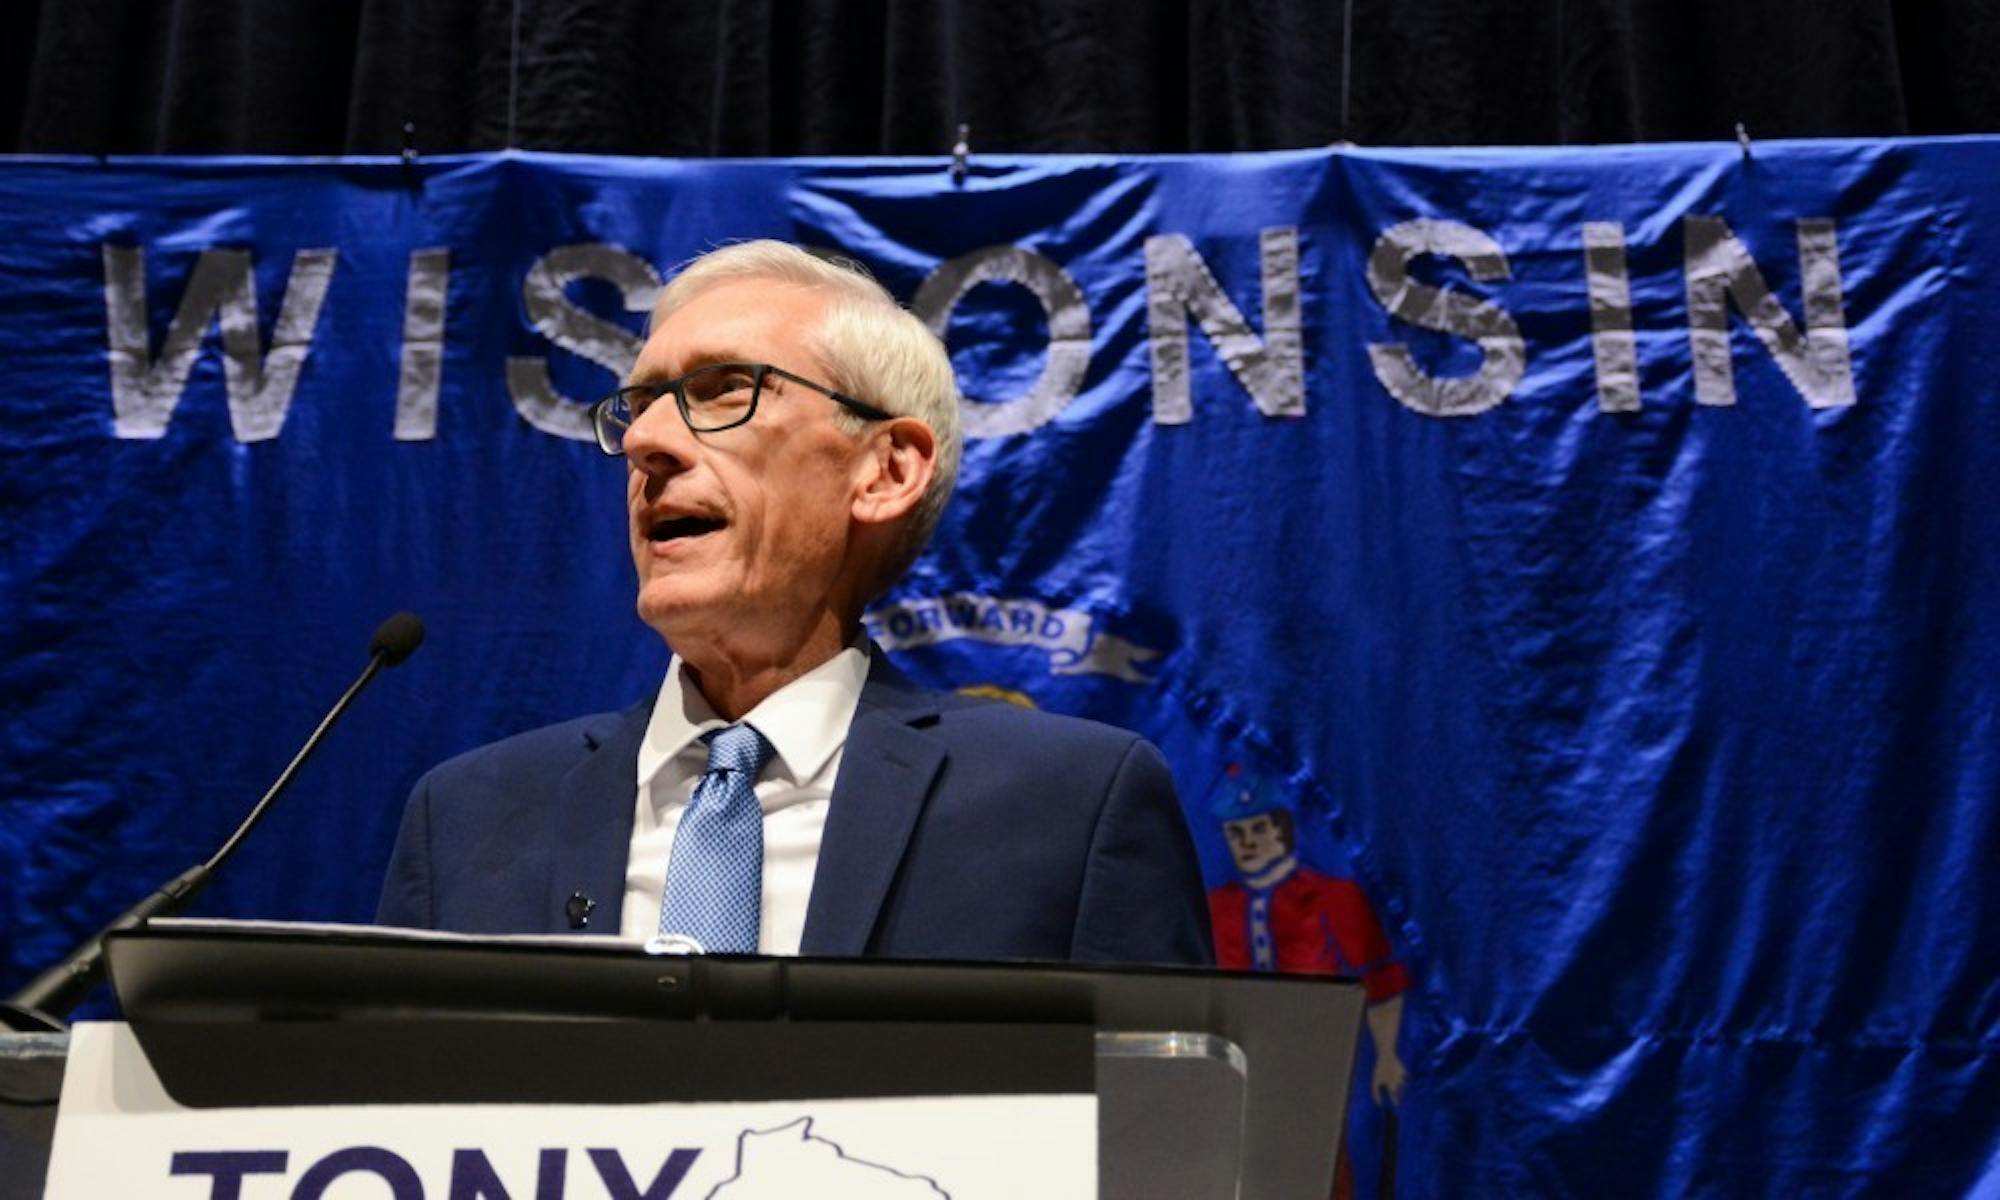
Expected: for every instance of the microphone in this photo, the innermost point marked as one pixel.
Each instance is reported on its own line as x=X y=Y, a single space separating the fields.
x=48 y=996
x=397 y=638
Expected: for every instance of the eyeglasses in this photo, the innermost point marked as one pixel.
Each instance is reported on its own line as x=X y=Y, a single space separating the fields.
x=711 y=398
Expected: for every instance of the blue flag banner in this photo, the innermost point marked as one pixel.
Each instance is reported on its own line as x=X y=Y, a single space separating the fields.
x=1555 y=577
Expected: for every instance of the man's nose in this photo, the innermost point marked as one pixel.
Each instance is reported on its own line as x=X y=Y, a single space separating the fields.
x=659 y=442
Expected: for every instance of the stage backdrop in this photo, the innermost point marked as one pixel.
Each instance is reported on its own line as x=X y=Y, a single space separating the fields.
x=1561 y=580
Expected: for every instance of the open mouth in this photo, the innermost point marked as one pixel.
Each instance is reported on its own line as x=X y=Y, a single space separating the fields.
x=675 y=528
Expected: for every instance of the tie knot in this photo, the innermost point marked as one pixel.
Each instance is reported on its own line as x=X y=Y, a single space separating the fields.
x=737 y=748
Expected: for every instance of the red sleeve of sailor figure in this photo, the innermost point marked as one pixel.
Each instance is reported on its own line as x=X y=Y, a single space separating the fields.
x=1325 y=925
x=1229 y=920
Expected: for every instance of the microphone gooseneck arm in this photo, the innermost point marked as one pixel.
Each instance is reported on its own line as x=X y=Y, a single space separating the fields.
x=53 y=993
x=284 y=780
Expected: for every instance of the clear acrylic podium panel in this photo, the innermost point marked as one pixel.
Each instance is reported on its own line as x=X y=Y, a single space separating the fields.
x=1170 y=1116
x=31 y=1070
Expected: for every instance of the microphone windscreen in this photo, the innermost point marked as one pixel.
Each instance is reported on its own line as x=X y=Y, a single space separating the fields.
x=397 y=638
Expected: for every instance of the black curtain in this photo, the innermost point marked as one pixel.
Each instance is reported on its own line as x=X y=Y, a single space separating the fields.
x=771 y=77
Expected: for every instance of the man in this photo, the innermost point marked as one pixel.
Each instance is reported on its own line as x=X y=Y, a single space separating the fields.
x=1281 y=915
x=792 y=437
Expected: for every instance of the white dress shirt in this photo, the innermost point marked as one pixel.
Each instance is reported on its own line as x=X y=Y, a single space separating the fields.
x=806 y=723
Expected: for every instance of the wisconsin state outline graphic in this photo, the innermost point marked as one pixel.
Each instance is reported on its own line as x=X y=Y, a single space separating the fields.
x=789 y=1160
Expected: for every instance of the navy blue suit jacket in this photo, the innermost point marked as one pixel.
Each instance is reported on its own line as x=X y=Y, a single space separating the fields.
x=957 y=828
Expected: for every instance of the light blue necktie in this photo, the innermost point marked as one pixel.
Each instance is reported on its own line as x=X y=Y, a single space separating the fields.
x=715 y=875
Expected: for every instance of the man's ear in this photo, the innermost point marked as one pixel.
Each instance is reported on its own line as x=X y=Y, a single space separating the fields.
x=895 y=472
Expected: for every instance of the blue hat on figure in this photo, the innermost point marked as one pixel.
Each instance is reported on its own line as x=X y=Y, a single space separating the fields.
x=1239 y=794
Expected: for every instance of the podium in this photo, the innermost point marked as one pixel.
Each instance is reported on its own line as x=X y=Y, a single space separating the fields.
x=1207 y=1083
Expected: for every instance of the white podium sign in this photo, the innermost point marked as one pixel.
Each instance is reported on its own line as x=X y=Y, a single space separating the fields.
x=118 y=1133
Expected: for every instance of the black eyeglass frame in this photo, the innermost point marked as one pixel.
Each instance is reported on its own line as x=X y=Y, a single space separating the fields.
x=605 y=423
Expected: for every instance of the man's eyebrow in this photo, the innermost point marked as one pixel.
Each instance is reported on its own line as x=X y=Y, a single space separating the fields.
x=692 y=361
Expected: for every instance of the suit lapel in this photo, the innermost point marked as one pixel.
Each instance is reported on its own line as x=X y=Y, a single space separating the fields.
x=886 y=771
x=592 y=824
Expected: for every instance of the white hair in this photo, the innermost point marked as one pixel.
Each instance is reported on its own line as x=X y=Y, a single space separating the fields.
x=876 y=350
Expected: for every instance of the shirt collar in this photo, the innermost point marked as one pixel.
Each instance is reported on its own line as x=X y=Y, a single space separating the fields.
x=1273 y=875
x=805 y=721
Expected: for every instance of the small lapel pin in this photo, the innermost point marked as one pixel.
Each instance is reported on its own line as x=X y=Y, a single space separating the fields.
x=578 y=908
